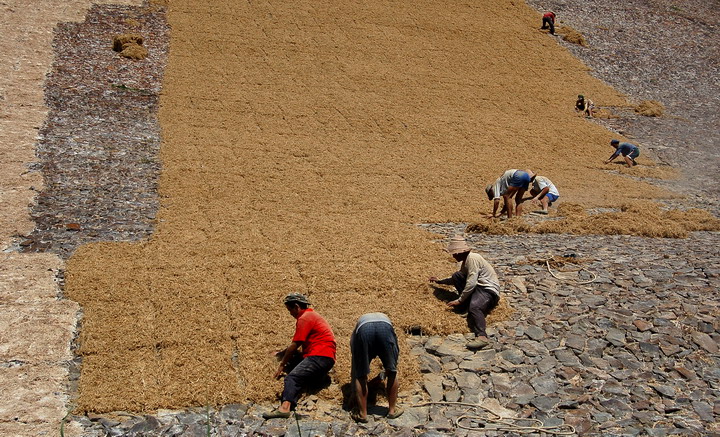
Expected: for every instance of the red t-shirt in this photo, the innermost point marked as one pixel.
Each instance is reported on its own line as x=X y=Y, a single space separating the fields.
x=315 y=334
x=549 y=15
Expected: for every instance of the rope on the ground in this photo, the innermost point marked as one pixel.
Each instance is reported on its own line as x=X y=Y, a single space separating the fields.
x=62 y=423
x=503 y=423
x=297 y=422
x=594 y=276
x=207 y=413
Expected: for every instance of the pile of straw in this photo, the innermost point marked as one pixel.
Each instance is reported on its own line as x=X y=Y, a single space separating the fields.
x=130 y=45
x=641 y=218
x=572 y=36
x=650 y=108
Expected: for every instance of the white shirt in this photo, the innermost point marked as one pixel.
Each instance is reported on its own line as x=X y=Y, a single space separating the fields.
x=502 y=183
x=541 y=182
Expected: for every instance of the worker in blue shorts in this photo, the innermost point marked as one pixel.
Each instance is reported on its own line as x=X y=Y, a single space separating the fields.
x=511 y=187
x=628 y=151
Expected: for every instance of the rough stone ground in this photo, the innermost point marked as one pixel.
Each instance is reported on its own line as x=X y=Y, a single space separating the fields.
x=676 y=397
x=36 y=325
x=98 y=147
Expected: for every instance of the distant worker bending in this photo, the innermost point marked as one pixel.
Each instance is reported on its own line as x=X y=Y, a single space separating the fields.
x=511 y=186
x=544 y=193
x=548 y=22
x=628 y=151
x=584 y=106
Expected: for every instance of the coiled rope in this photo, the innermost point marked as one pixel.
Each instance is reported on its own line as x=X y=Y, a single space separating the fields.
x=575 y=278
x=503 y=423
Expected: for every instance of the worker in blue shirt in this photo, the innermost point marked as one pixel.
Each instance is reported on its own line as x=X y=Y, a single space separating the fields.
x=628 y=151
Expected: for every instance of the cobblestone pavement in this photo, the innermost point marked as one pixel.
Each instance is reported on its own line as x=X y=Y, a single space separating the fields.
x=634 y=352
x=99 y=190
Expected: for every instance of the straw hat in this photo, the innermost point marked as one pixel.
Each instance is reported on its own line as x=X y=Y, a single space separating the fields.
x=457 y=245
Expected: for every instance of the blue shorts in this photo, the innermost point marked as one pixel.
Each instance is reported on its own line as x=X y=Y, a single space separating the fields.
x=551 y=198
x=634 y=154
x=519 y=179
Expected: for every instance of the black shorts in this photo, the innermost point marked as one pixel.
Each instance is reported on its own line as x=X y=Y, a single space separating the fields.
x=374 y=339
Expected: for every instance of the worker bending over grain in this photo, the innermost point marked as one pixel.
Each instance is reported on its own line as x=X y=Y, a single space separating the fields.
x=510 y=187
x=628 y=151
x=372 y=337
x=543 y=193
x=548 y=22
x=314 y=335
x=584 y=106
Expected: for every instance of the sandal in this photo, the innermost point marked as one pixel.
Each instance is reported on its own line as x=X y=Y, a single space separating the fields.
x=398 y=412
x=357 y=418
x=276 y=414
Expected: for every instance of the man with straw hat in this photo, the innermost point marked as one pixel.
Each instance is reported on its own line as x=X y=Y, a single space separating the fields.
x=478 y=285
x=317 y=340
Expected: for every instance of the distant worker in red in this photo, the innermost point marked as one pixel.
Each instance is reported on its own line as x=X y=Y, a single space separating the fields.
x=316 y=338
x=549 y=22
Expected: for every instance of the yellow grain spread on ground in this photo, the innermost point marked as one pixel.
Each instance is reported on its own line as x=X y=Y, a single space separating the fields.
x=302 y=142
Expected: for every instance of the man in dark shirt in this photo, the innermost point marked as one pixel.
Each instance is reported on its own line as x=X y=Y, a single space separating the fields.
x=584 y=106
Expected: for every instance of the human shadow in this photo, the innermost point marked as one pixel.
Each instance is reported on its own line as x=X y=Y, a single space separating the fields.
x=376 y=388
x=446 y=296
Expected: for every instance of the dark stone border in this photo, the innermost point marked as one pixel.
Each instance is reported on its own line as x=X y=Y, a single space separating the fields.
x=98 y=149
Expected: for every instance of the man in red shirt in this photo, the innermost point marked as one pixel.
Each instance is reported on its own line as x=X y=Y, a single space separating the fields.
x=316 y=338
x=549 y=22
